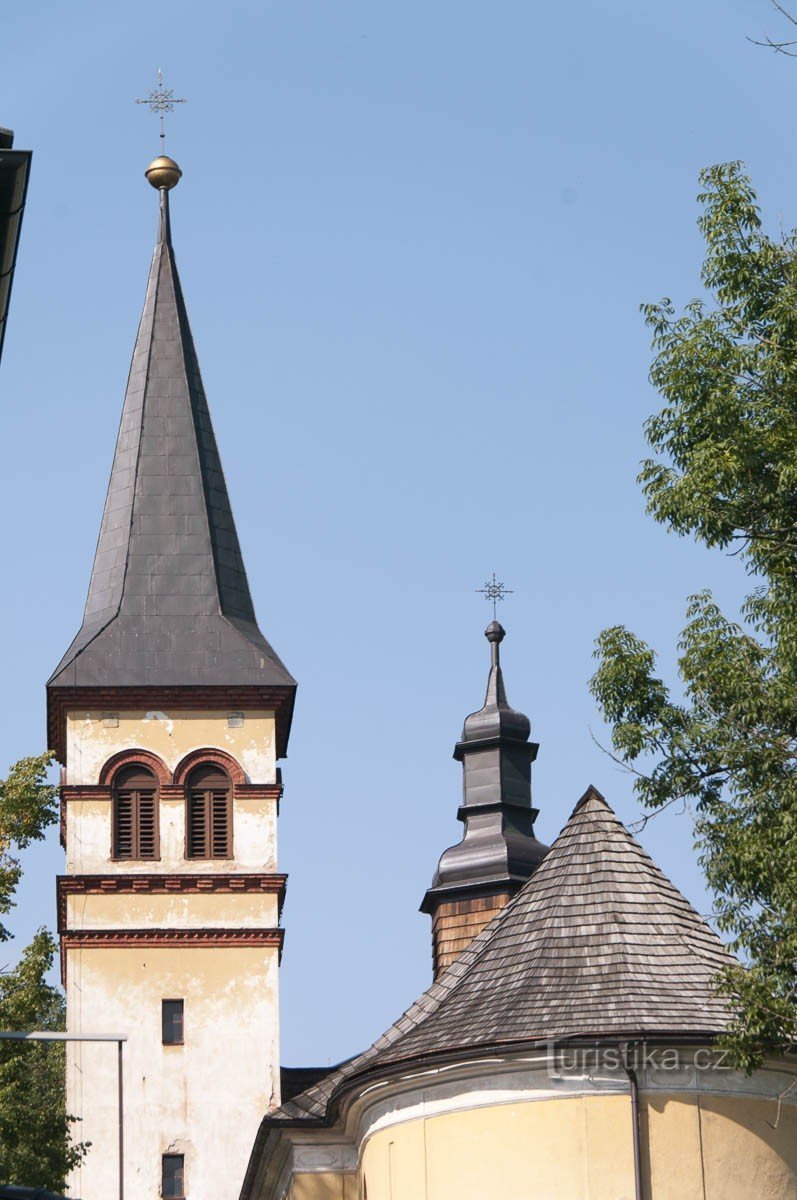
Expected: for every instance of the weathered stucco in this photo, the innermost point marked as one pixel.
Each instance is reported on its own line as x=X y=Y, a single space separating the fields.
x=91 y=739
x=145 y=910
x=88 y=840
x=205 y=1097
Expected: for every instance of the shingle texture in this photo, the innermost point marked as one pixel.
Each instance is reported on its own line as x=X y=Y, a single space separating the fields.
x=598 y=943
x=168 y=602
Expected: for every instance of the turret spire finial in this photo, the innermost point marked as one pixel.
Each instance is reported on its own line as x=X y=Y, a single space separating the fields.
x=494 y=590
x=161 y=100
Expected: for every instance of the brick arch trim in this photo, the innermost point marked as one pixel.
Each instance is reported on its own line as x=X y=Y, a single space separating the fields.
x=209 y=754
x=135 y=757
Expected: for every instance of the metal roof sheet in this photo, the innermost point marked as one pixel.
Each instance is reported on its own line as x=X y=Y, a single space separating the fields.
x=168 y=602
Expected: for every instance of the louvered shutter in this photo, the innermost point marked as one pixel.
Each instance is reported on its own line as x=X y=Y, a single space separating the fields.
x=123 y=831
x=147 y=829
x=209 y=814
x=135 y=814
x=197 y=825
x=220 y=825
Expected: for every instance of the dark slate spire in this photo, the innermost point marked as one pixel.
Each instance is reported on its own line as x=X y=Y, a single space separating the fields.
x=498 y=851
x=168 y=603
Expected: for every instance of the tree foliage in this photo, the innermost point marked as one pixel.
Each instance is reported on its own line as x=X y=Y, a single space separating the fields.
x=724 y=471
x=36 y=1146
x=28 y=806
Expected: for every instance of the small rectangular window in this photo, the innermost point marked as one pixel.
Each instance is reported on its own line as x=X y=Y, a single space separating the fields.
x=173 y=1176
x=172 y=1022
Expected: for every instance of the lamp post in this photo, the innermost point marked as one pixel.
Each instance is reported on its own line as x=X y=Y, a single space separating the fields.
x=119 y=1038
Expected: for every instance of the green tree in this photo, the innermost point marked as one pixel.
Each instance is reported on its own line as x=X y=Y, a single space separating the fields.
x=724 y=471
x=36 y=1146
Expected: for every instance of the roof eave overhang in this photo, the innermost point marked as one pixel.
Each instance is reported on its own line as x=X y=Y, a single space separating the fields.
x=14 y=174
x=430 y=1059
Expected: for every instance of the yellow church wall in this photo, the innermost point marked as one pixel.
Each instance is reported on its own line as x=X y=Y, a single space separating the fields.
x=694 y=1147
x=209 y=1093
x=326 y=1185
x=140 y=910
x=711 y=1147
x=91 y=739
x=254 y=837
x=575 y=1149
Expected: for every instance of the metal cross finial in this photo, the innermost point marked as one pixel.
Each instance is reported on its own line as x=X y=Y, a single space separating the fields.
x=161 y=100
x=495 y=591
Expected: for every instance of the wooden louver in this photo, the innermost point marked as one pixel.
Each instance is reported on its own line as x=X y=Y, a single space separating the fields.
x=135 y=811
x=209 y=815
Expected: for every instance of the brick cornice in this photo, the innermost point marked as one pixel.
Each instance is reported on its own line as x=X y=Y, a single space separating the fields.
x=173 y=938
x=257 y=791
x=85 y=791
x=164 y=885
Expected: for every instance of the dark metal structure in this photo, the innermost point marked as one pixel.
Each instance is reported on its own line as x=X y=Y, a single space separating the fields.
x=168 y=606
x=498 y=851
x=14 y=172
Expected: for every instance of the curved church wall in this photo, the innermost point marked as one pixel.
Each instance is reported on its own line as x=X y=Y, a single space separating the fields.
x=518 y=1128
x=694 y=1147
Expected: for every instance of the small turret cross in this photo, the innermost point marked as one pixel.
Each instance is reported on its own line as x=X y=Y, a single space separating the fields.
x=161 y=100
x=495 y=591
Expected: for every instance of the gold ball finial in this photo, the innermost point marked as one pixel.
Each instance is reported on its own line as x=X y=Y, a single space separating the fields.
x=163 y=172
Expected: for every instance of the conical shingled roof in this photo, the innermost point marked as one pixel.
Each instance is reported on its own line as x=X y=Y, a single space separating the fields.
x=598 y=943
x=168 y=603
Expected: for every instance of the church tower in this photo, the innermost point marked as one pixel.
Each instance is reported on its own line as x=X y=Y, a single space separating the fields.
x=169 y=712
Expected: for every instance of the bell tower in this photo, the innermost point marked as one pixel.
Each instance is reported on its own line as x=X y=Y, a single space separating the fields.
x=169 y=712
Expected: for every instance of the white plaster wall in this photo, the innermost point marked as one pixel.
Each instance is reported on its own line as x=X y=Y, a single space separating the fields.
x=143 y=910
x=204 y=1099
x=91 y=740
x=254 y=840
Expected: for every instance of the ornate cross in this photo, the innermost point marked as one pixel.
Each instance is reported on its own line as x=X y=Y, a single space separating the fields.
x=495 y=591
x=161 y=100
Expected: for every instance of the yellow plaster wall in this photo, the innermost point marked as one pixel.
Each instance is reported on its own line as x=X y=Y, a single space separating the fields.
x=580 y=1148
x=204 y=1099
x=573 y=1149
x=200 y=910
x=88 y=840
x=326 y=1185
x=90 y=741
x=741 y=1158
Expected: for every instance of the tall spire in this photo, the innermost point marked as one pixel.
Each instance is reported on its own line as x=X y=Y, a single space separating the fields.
x=168 y=602
x=498 y=851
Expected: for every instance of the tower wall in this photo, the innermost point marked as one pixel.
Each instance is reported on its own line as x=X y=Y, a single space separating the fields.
x=136 y=932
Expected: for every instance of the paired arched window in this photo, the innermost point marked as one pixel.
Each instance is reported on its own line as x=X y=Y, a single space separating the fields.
x=208 y=813
x=135 y=813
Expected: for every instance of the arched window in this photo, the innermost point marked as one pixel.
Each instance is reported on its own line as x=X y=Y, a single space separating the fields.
x=135 y=814
x=208 y=813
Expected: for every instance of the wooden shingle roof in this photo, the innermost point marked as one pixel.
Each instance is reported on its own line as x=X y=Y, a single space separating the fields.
x=598 y=943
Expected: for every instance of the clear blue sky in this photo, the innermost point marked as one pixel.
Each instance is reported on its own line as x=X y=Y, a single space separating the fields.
x=413 y=239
